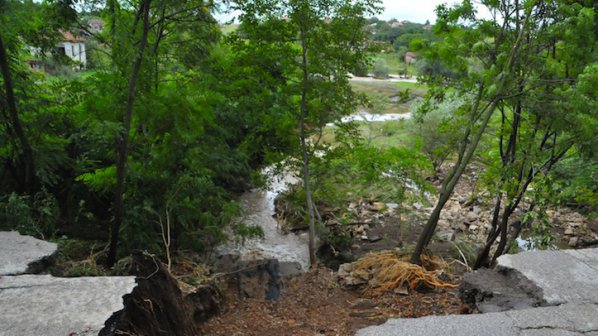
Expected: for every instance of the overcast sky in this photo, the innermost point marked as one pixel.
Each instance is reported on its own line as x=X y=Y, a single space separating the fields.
x=412 y=10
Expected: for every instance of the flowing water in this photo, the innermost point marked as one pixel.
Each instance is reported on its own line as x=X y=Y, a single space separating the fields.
x=258 y=205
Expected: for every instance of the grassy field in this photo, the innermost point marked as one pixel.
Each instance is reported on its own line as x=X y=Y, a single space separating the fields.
x=395 y=63
x=384 y=134
x=389 y=97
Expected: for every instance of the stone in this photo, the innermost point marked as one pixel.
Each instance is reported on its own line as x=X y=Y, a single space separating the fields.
x=472 y=217
x=476 y=210
x=45 y=305
x=443 y=223
x=463 y=227
x=374 y=239
x=392 y=205
x=446 y=235
x=569 y=231
x=473 y=228
x=24 y=254
x=573 y=241
x=345 y=269
x=377 y=206
x=260 y=279
x=289 y=268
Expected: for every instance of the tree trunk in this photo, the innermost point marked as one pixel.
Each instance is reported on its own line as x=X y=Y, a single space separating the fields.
x=29 y=181
x=123 y=141
x=305 y=155
x=451 y=182
x=449 y=186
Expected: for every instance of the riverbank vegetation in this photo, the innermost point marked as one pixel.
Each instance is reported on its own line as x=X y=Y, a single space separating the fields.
x=149 y=142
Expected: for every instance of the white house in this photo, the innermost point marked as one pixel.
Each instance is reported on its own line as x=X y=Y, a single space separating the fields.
x=74 y=48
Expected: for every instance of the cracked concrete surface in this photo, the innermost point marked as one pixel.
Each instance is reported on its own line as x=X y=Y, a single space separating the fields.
x=565 y=282
x=42 y=305
x=24 y=254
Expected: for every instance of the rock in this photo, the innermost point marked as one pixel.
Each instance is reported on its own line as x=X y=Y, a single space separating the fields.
x=376 y=206
x=374 y=239
x=473 y=228
x=401 y=291
x=573 y=241
x=443 y=223
x=463 y=227
x=568 y=231
x=24 y=254
x=472 y=217
x=476 y=210
x=392 y=205
x=445 y=235
x=260 y=279
x=45 y=305
x=345 y=270
x=289 y=268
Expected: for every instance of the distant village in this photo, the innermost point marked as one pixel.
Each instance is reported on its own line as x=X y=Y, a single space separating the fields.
x=71 y=45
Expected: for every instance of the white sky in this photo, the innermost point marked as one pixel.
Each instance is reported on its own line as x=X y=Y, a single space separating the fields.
x=412 y=10
x=419 y=10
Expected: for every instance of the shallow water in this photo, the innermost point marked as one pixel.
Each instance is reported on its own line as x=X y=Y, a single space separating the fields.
x=258 y=205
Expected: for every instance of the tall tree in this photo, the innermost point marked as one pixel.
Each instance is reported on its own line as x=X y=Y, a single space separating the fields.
x=485 y=53
x=508 y=60
x=540 y=124
x=318 y=44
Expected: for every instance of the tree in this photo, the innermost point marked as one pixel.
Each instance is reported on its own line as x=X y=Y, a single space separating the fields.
x=18 y=31
x=511 y=63
x=488 y=52
x=541 y=121
x=316 y=45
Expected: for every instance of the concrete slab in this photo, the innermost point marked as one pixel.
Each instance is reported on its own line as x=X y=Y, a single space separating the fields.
x=563 y=276
x=493 y=324
x=562 y=320
x=566 y=281
x=23 y=254
x=41 y=305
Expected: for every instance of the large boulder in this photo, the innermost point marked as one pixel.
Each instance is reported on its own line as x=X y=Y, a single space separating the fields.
x=24 y=254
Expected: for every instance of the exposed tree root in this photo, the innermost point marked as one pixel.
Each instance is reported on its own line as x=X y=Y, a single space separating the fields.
x=387 y=271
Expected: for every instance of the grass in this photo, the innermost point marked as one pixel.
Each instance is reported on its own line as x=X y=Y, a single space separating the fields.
x=395 y=63
x=383 y=134
x=387 y=97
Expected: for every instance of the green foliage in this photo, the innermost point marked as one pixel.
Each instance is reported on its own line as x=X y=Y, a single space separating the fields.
x=37 y=216
x=540 y=230
x=381 y=70
x=437 y=129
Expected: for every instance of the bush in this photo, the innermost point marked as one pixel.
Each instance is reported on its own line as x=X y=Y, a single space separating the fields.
x=381 y=69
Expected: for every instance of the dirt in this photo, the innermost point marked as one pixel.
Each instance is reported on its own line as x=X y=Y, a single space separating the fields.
x=315 y=304
x=159 y=305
